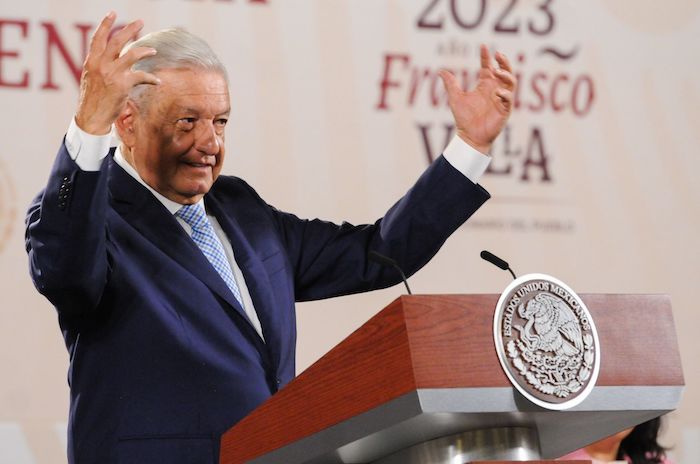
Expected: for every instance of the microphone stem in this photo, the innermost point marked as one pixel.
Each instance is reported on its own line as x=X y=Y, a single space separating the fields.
x=405 y=281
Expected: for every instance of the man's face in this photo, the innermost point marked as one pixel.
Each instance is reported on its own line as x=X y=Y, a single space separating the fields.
x=178 y=143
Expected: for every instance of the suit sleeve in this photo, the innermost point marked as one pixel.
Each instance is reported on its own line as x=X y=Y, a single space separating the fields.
x=331 y=260
x=66 y=238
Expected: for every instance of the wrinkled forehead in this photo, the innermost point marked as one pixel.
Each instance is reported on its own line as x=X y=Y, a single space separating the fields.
x=192 y=81
x=191 y=89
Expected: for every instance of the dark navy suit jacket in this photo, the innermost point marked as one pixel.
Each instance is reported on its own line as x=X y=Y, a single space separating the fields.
x=162 y=358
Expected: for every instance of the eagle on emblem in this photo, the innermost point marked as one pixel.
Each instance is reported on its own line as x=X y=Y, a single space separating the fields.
x=556 y=327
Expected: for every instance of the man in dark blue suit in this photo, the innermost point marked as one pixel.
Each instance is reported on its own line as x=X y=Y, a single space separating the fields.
x=175 y=287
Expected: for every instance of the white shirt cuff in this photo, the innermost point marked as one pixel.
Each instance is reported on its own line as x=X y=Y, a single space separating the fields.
x=466 y=159
x=85 y=149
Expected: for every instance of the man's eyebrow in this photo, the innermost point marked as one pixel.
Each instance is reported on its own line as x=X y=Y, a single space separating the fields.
x=188 y=110
x=185 y=109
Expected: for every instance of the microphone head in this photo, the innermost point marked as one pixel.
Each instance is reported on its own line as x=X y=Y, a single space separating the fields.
x=495 y=260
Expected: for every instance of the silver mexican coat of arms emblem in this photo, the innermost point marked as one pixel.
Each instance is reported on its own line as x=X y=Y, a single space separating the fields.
x=546 y=341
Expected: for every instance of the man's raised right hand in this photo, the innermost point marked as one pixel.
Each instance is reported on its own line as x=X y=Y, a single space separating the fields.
x=108 y=78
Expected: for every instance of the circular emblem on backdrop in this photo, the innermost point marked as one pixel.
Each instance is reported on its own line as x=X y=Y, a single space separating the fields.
x=7 y=205
x=546 y=341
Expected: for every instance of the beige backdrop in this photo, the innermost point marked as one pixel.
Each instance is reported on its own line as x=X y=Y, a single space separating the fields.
x=336 y=109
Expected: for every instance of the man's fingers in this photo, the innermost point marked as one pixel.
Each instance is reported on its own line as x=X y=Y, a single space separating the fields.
x=450 y=82
x=504 y=94
x=98 y=43
x=134 y=55
x=506 y=78
x=505 y=97
x=142 y=77
x=485 y=58
x=503 y=62
x=121 y=37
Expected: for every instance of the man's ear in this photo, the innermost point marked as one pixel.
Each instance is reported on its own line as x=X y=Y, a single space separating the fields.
x=125 y=123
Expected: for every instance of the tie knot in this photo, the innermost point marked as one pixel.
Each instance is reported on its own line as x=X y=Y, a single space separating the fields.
x=193 y=215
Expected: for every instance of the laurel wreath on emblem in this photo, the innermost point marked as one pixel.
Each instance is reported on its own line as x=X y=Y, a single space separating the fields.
x=555 y=358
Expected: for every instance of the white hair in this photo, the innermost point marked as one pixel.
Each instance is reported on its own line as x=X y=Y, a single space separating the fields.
x=175 y=49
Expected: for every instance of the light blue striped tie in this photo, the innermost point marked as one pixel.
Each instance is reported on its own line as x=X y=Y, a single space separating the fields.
x=207 y=241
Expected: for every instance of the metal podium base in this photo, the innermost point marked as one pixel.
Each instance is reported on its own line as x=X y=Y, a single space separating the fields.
x=497 y=444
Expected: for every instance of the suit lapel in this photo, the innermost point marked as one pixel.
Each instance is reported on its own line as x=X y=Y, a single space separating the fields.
x=144 y=212
x=251 y=265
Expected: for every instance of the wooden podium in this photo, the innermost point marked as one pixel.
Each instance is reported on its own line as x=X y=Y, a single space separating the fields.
x=424 y=370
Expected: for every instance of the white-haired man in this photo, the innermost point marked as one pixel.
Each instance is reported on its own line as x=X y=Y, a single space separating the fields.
x=174 y=286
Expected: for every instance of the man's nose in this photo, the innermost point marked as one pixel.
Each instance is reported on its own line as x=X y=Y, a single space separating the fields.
x=207 y=141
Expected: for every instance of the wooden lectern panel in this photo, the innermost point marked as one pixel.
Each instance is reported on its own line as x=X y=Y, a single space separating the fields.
x=638 y=342
x=637 y=338
x=444 y=343
x=349 y=380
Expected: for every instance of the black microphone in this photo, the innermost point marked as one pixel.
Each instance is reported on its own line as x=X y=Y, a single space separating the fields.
x=496 y=261
x=386 y=261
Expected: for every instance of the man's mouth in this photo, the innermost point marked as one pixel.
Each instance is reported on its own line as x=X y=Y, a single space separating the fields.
x=198 y=165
